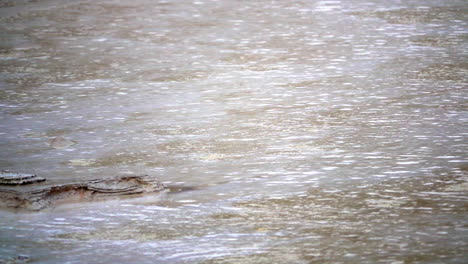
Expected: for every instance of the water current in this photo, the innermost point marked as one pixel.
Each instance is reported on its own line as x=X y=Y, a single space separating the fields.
x=301 y=131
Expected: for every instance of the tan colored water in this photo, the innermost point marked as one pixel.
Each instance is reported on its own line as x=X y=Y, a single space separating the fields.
x=307 y=131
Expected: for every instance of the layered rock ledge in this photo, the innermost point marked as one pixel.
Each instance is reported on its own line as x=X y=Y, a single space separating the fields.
x=44 y=197
x=12 y=178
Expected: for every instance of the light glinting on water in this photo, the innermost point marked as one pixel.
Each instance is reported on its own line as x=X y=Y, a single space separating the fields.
x=283 y=131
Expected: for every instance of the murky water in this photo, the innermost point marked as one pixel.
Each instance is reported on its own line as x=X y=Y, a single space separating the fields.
x=307 y=131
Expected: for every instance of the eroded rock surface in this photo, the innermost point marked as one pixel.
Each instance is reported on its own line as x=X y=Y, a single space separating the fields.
x=13 y=178
x=75 y=192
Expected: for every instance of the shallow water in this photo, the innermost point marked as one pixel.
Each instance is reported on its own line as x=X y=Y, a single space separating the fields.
x=308 y=132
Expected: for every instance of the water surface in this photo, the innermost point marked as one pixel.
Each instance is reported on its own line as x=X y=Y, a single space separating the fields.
x=308 y=131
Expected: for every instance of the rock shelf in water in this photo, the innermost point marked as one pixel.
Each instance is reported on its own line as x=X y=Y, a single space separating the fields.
x=13 y=178
x=44 y=197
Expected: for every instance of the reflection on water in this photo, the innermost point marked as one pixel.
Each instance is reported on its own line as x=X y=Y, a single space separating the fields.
x=297 y=132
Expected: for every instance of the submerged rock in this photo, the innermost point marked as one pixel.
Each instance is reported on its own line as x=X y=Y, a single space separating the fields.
x=462 y=187
x=16 y=260
x=75 y=192
x=61 y=142
x=82 y=162
x=13 y=178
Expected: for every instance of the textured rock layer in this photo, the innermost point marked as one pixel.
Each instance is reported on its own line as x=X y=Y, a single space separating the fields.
x=75 y=192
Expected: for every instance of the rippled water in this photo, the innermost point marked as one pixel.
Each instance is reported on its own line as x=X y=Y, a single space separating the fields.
x=306 y=131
